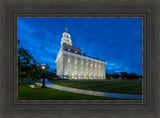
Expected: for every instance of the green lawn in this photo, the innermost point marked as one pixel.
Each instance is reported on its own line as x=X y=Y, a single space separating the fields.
x=27 y=93
x=115 y=86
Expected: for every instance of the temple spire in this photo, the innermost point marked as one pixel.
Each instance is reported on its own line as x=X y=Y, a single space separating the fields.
x=66 y=38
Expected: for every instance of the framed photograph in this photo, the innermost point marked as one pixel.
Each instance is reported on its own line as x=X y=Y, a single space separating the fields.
x=80 y=59
x=52 y=69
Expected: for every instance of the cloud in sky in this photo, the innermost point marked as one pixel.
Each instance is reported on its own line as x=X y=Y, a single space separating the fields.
x=118 y=41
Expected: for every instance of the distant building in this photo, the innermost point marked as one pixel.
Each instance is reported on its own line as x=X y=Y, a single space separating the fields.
x=73 y=65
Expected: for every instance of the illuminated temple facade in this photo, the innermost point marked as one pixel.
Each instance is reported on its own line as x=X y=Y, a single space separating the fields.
x=72 y=64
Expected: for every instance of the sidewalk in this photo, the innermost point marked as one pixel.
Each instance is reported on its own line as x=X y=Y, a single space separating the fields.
x=95 y=93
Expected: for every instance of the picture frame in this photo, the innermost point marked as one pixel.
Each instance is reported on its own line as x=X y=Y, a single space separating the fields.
x=12 y=108
x=16 y=101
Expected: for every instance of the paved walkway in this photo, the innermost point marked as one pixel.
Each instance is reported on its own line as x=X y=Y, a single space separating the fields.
x=96 y=93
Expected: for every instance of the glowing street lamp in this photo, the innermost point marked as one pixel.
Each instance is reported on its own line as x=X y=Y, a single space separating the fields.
x=43 y=82
x=43 y=67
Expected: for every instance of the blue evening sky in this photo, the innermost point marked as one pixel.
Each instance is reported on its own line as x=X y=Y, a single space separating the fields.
x=118 y=41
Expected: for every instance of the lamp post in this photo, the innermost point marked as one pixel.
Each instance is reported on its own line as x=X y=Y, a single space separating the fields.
x=43 y=82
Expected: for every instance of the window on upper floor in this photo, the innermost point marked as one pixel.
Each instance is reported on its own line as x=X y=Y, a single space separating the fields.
x=99 y=66
x=68 y=61
x=75 y=73
x=86 y=64
x=75 y=51
x=95 y=66
x=91 y=65
x=81 y=63
x=69 y=49
x=76 y=62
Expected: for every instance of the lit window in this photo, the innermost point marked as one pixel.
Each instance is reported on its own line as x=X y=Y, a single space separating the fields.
x=75 y=51
x=69 y=49
x=81 y=68
x=86 y=73
x=86 y=64
x=91 y=65
x=68 y=72
x=75 y=67
x=68 y=61
x=95 y=66
x=81 y=63
x=81 y=73
x=75 y=61
x=75 y=73
x=99 y=66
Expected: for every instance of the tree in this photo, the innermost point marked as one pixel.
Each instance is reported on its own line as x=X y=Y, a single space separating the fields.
x=25 y=57
x=124 y=74
x=115 y=75
x=26 y=65
x=132 y=76
x=107 y=76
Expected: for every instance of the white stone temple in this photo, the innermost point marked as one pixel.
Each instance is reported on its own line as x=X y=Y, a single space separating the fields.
x=72 y=64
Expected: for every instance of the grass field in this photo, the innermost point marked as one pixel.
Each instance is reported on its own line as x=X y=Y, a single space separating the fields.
x=115 y=86
x=27 y=93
